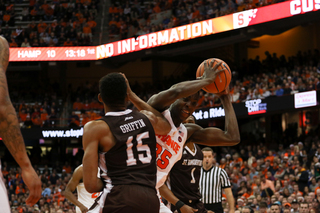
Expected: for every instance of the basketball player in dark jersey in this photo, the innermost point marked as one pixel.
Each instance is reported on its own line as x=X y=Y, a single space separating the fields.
x=184 y=176
x=123 y=145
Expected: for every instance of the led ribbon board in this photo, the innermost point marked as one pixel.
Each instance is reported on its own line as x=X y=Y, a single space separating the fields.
x=182 y=33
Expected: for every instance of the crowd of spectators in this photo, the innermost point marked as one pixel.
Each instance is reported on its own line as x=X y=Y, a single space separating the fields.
x=49 y=23
x=287 y=176
x=39 y=115
x=261 y=177
x=273 y=76
x=134 y=18
x=39 y=104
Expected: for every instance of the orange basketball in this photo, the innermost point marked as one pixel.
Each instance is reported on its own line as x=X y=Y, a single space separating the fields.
x=222 y=80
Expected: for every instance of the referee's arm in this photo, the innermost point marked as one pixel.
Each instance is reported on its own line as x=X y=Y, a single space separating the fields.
x=226 y=185
x=230 y=199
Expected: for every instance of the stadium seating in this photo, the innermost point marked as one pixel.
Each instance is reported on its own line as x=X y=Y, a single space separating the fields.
x=48 y=22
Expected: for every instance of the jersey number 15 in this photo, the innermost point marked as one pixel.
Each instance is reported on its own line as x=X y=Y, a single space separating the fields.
x=145 y=156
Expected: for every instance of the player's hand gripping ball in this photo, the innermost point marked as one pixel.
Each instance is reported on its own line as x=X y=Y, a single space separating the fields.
x=223 y=78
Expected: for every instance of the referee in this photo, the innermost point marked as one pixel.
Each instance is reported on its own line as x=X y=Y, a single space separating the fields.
x=212 y=180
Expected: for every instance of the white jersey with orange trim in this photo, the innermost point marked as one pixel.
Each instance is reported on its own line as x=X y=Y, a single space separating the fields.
x=169 y=149
x=84 y=197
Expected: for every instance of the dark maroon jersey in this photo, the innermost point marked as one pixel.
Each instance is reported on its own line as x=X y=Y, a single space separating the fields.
x=132 y=159
x=185 y=175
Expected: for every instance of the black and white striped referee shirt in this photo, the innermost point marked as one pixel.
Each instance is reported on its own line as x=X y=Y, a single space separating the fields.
x=211 y=184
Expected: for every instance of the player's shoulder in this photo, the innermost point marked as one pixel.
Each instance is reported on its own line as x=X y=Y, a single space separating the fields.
x=78 y=173
x=96 y=125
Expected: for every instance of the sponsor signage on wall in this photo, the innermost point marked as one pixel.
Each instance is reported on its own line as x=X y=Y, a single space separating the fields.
x=54 y=133
x=305 y=99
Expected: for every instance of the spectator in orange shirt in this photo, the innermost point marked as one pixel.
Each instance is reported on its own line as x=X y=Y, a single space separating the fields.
x=81 y=19
x=68 y=43
x=45 y=5
x=67 y=168
x=36 y=120
x=6 y=17
x=44 y=115
x=92 y=24
x=223 y=163
x=113 y=22
x=85 y=119
x=23 y=115
x=13 y=43
x=57 y=194
x=156 y=9
x=34 y=12
x=87 y=31
x=270 y=157
x=113 y=9
x=86 y=2
x=78 y=105
x=42 y=26
x=10 y=8
x=94 y=104
x=86 y=105
x=267 y=168
x=48 y=13
x=20 y=189
x=237 y=159
x=196 y=13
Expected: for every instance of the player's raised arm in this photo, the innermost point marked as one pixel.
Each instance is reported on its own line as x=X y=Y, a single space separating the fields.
x=160 y=124
x=214 y=136
x=164 y=99
x=93 y=132
x=77 y=176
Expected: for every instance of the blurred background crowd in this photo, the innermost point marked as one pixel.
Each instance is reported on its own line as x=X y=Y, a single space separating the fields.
x=47 y=23
x=291 y=173
x=273 y=76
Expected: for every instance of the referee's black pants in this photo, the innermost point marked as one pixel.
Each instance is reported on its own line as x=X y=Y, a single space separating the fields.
x=215 y=207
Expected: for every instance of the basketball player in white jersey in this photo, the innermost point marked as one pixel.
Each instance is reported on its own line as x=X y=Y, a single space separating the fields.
x=177 y=104
x=86 y=200
x=12 y=138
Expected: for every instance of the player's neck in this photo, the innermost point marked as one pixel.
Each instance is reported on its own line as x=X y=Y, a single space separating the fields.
x=114 y=108
x=190 y=145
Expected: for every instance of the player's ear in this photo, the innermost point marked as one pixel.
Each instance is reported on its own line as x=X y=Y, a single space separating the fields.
x=99 y=98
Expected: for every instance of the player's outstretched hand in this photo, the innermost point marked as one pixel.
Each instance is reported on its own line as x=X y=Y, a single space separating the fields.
x=210 y=71
x=31 y=179
x=187 y=209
